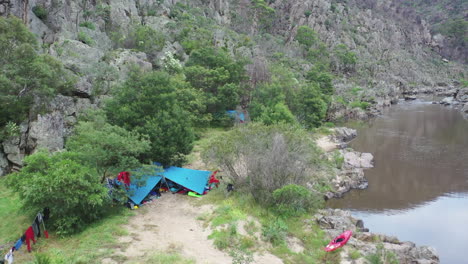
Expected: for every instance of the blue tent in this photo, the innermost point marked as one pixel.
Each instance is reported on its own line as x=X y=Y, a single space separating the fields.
x=194 y=180
x=138 y=193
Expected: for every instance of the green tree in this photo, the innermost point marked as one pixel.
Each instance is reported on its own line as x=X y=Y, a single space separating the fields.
x=345 y=60
x=266 y=96
x=279 y=113
x=106 y=148
x=306 y=36
x=214 y=72
x=71 y=191
x=28 y=81
x=311 y=109
x=323 y=79
x=149 y=104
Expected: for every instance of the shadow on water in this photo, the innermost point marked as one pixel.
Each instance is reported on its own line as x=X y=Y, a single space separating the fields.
x=418 y=189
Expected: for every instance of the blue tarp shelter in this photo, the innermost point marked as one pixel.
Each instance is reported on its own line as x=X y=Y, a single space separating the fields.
x=138 y=193
x=236 y=114
x=194 y=180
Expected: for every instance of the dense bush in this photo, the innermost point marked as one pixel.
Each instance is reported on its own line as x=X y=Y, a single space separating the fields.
x=275 y=232
x=294 y=200
x=85 y=38
x=147 y=39
x=260 y=159
x=71 y=190
x=40 y=12
x=88 y=24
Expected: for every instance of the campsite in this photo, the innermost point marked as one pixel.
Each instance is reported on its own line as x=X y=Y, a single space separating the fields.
x=233 y=131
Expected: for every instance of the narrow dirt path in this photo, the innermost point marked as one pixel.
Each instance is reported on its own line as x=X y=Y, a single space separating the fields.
x=169 y=224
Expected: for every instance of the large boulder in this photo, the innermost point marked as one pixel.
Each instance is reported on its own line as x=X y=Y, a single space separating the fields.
x=11 y=148
x=464 y=110
x=462 y=95
x=47 y=131
x=344 y=134
x=75 y=55
x=3 y=163
x=353 y=159
x=124 y=60
x=447 y=101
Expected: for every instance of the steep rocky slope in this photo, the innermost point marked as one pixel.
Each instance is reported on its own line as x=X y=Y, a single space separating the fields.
x=95 y=41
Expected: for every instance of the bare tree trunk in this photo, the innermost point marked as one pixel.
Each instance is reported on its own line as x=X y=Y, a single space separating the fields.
x=25 y=11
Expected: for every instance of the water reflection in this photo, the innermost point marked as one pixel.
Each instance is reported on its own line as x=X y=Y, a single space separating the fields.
x=418 y=188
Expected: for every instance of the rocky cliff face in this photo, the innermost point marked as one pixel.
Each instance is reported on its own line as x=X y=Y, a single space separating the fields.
x=395 y=53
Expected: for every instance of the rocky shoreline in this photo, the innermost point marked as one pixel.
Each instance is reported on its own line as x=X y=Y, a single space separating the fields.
x=335 y=221
x=456 y=97
x=351 y=174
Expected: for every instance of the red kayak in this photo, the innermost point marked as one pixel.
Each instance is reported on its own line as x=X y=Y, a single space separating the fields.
x=339 y=241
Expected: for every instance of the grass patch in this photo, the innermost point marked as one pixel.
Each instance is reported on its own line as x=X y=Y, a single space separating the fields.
x=15 y=221
x=273 y=228
x=354 y=254
x=204 y=136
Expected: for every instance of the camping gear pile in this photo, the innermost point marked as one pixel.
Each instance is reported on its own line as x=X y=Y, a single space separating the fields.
x=173 y=179
x=31 y=233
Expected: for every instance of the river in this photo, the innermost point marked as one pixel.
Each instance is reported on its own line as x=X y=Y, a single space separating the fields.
x=418 y=189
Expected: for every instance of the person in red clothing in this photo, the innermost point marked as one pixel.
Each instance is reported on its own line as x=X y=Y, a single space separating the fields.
x=29 y=236
x=213 y=180
x=124 y=177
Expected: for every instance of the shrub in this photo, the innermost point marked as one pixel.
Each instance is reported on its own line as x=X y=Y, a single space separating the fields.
x=145 y=39
x=275 y=232
x=40 y=12
x=359 y=104
x=260 y=159
x=88 y=24
x=294 y=200
x=83 y=37
x=338 y=159
x=382 y=256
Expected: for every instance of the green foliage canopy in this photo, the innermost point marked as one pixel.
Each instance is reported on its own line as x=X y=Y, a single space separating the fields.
x=219 y=76
x=27 y=80
x=306 y=36
x=149 y=104
x=71 y=191
x=106 y=148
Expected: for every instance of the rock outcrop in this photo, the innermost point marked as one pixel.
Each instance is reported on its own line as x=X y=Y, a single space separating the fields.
x=351 y=173
x=334 y=221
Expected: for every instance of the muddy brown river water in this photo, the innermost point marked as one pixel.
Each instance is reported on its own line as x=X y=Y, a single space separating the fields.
x=418 y=189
